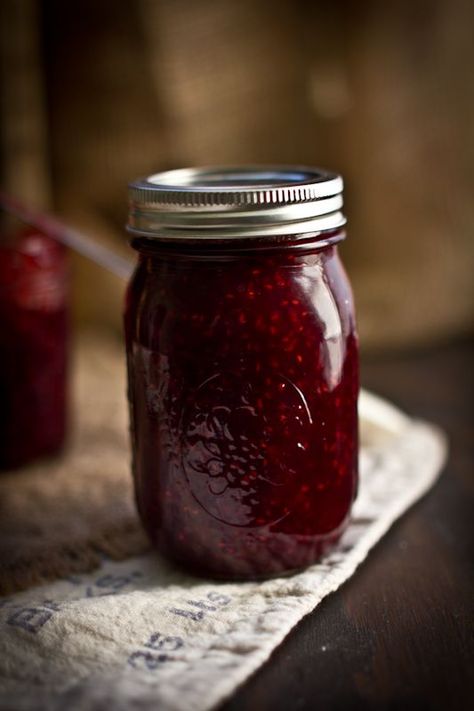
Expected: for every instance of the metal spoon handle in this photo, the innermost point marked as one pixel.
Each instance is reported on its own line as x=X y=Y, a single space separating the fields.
x=76 y=240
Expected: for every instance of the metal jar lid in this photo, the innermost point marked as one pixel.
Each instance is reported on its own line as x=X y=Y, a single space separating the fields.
x=233 y=202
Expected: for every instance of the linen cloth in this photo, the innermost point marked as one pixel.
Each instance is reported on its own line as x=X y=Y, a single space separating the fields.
x=141 y=634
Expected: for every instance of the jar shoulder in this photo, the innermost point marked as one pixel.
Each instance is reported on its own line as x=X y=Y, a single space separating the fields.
x=228 y=298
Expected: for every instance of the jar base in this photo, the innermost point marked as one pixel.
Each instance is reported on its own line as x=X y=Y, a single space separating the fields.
x=311 y=551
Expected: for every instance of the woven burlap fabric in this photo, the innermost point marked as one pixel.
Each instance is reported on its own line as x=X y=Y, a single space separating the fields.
x=378 y=91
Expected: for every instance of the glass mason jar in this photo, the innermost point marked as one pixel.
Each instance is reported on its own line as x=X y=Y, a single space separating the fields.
x=243 y=367
x=34 y=334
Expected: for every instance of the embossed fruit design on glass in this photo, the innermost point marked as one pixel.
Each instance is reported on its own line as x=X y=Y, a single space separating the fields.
x=243 y=368
x=34 y=329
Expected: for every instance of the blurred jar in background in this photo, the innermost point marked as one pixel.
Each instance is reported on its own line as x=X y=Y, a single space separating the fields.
x=34 y=330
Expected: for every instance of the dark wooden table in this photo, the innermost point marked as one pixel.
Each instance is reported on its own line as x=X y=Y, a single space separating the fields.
x=399 y=634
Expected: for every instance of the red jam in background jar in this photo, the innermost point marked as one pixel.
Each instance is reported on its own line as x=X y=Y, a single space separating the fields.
x=34 y=328
x=243 y=368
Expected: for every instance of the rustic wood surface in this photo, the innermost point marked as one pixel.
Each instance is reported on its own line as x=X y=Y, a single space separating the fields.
x=398 y=634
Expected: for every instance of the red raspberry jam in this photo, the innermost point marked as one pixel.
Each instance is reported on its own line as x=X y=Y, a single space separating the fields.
x=33 y=347
x=243 y=382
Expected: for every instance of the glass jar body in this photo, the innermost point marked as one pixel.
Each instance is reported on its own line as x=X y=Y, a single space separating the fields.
x=34 y=335
x=243 y=383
